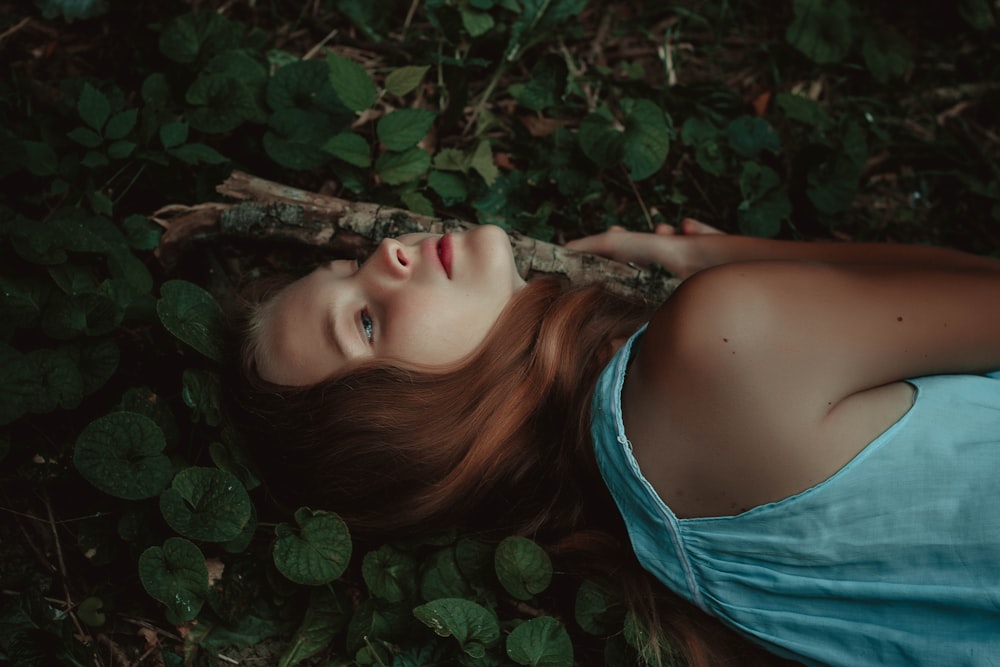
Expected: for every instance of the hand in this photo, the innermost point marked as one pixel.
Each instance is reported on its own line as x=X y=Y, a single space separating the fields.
x=646 y=248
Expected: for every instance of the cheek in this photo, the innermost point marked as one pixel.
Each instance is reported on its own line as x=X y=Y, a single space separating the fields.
x=444 y=333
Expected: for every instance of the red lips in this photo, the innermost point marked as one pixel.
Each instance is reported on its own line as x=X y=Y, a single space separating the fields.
x=445 y=253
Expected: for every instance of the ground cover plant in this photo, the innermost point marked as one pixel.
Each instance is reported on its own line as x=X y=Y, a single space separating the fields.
x=133 y=530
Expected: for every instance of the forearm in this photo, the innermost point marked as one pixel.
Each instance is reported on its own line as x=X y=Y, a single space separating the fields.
x=686 y=255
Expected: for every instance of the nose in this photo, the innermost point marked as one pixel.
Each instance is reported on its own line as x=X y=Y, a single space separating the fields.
x=391 y=257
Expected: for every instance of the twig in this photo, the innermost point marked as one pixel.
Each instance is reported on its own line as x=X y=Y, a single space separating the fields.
x=39 y=554
x=697 y=186
x=117 y=655
x=62 y=565
x=149 y=626
x=318 y=47
x=15 y=28
x=642 y=204
x=95 y=515
x=409 y=16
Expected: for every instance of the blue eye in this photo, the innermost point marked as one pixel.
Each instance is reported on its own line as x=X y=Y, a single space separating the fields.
x=367 y=325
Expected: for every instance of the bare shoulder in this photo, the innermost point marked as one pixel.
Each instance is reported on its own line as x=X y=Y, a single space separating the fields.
x=718 y=420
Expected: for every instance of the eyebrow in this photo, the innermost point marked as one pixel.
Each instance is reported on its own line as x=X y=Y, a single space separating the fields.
x=330 y=329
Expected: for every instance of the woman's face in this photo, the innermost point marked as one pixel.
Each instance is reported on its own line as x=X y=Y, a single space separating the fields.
x=420 y=299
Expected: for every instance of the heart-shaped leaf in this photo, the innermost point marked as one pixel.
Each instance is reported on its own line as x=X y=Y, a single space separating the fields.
x=176 y=575
x=316 y=553
x=121 y=454
x=206 y=504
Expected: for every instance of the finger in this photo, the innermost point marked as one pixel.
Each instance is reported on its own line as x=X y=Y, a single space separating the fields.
x=664 y=229
x=692 y=226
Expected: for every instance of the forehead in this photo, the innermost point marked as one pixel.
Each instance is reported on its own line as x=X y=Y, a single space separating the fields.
x=294 y=337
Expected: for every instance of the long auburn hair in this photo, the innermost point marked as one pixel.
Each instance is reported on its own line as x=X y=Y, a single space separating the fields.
x=502 y=440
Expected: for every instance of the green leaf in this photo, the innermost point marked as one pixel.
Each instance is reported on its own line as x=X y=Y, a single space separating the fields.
x=193 y=316
x=351 y=82
x=351 y=148
x=450 y=187
x=143 y=401
x=91 y=611
x=297 y=139
x=97 y=362
x=601 y=140
x=93 y=160
x=403 y=128
x=22 y=300
x=173 y=134
x=198 y=154
x=474 y=558
x=647 y=138
x=765 y=204
x=886 y=53
x=305 y=85
x=523 y=567
x=474 y=627
x=546 y=86
x=100 y=202
x=748 y=136
x=85 y=137
x=395 y=168
x=482 y=162
x=475 y=22
x=833 y=184
x=374 y=622
x=121 y=124
x=239 y=65
x=538 y=18
x=40 y=158
x=405 y=79
x=191 y=36
x=803 y=110
x=141 y=232
x=200 y=392
x=540 y=642
x=121 y=454
x=155 y=90
x=222 y=103
x=821 y=30
x=417 y=202
x=59 y=382
x=451 y=159
x=119 y=150
x=977 y=13
x=18 y=383
x=206 y=504
x=93 y=107
x=764 y=216
x=232 y=458
x=389 y=574
x=596 y=611
x=442 y=578
x=325 y=618
x=69 y=316
x=317 y=553
x=72 y=278
x=176 y=575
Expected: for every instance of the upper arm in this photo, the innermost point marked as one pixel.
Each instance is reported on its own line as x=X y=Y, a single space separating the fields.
x=748 y=361
x=824 y=332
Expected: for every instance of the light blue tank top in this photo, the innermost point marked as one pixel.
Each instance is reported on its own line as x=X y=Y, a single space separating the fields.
x=893 y=560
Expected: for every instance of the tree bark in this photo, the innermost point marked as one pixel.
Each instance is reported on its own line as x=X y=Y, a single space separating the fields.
x=276 y=212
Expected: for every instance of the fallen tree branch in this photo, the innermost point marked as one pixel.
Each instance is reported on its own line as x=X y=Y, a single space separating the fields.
x=271 y=211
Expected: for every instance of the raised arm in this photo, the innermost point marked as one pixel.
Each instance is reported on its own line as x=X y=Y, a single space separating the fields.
x=696 y=246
